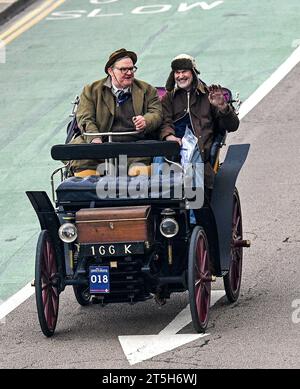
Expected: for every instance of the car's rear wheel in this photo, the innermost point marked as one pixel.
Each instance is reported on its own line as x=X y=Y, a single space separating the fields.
x=199 y=279
x=82 y=294
x=46 y=284
x=232 y=280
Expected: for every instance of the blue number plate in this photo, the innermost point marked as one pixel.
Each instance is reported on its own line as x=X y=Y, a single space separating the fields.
x=99 y=279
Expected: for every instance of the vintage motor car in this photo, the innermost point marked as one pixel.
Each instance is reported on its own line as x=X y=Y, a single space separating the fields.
x=124 y=248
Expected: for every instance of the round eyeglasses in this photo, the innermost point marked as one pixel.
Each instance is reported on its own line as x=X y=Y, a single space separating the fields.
x=132 y=69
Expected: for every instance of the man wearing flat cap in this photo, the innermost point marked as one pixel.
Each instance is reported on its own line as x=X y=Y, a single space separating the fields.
x=117 y=103
x=189 y=102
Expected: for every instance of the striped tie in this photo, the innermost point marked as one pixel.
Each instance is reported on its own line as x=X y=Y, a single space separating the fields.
x=123 y=97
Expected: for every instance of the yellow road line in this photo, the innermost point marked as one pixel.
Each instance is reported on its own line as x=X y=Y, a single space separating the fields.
x=29 y=20
x=25 y=19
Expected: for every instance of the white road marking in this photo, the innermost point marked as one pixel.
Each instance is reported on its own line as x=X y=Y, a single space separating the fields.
x=270 y=83
x=138 y=348
x=2 y=52
x=17 y=299
x=184 y=317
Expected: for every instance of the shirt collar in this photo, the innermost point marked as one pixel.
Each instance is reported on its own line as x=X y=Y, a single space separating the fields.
x=117 y=91
x=114 y=89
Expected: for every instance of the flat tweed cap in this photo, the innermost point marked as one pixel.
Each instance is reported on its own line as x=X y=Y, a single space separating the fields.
x=119 y=54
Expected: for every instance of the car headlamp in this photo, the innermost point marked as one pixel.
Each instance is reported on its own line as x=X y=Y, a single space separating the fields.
x=67 y=232
x=169 y=227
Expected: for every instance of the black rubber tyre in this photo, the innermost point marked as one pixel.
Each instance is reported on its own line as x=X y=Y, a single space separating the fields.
x=199 y=285
x=46 y=284
x=232 y=280
x=82 y=295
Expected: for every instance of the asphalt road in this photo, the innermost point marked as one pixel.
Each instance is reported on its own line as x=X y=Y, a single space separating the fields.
x=261 y=330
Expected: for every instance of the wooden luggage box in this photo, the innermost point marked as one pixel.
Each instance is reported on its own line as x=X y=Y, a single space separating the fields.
x=118 y=224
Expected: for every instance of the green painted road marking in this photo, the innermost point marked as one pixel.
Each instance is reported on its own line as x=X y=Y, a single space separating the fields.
x=236 y=43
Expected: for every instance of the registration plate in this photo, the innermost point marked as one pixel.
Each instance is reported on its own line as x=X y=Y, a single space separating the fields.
x=99 y=279
x=112 y=249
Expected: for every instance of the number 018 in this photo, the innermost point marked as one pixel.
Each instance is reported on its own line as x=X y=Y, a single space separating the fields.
x=99 y=279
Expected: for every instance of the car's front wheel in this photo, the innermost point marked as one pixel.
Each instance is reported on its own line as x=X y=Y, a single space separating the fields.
x=199 y=279
x=46 y=284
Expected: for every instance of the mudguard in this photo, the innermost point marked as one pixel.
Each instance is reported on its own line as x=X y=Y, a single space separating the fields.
x=222 y=199
x=48 y=221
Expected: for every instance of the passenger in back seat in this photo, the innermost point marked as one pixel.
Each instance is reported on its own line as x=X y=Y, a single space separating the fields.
x=189 y=102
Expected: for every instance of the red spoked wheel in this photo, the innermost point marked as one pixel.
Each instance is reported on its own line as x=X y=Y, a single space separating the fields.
x=199 y=279
x=46 y=284
x=232 y=280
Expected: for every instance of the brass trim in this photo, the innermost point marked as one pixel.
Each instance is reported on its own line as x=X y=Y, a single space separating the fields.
x=108 y=243
x=109 y=220
x=111 y=133
x=71 y=259
x=170 y=254
x=217 y=164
